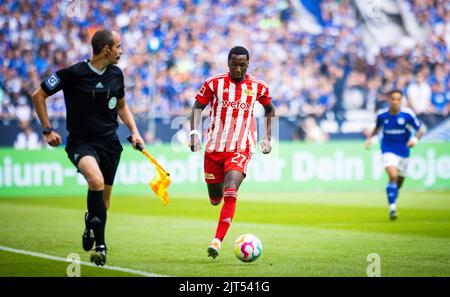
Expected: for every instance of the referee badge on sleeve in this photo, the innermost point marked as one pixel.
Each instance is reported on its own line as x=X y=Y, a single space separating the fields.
x=52 y=81
x=112 y=102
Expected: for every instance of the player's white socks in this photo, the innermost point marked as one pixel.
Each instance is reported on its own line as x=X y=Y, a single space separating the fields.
x=392 y=207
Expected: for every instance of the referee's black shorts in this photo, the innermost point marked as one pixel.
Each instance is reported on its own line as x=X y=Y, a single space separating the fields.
x=107 y=153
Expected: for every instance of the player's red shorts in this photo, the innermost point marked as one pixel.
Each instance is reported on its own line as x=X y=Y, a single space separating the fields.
x=218 y=163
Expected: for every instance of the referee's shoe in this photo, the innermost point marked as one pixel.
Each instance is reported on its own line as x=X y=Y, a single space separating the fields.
x=88 y=235
x=99 y=255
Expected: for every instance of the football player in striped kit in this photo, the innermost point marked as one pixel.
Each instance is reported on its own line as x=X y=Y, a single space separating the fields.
x=231 y=137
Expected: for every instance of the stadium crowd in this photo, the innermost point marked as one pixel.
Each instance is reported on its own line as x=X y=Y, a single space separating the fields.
x=172 y=46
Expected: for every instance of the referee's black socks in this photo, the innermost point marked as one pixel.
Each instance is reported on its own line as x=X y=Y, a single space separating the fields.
x=97 y=215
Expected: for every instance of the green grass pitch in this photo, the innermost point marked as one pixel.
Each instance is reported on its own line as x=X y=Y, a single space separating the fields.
x=301 y=234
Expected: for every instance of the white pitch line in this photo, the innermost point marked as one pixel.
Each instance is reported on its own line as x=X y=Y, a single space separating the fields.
x=54 y=258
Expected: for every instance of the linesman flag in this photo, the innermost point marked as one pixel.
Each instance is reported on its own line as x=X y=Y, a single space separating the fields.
x=161 y=181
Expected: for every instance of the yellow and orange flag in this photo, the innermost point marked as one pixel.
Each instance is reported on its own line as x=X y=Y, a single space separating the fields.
x=160 y=183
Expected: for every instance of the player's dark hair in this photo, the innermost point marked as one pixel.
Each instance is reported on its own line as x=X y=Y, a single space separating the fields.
x=239 y=51
x=390 y=93
x=101 y=39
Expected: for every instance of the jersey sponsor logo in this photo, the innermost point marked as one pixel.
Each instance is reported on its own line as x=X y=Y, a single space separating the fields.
x=112 y=103
x=236 y=105
x=99 y=86
x=52 y=81
x=202 y=91
x=395 y=131
x=401 y=121
x=209 y=176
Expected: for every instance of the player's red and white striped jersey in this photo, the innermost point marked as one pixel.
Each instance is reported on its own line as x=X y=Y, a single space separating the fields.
x=232 y=127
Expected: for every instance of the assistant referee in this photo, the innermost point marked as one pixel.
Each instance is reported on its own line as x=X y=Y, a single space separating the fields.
x=94 y=95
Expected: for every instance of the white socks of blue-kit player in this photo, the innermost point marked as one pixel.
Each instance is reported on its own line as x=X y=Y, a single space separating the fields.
x=392 y=207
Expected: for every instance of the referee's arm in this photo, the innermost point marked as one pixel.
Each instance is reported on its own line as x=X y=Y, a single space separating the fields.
x=127 y=117
x=39 y=96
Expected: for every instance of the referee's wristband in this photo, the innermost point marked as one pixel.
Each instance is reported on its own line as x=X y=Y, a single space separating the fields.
x=196 y=132
x=414 y=139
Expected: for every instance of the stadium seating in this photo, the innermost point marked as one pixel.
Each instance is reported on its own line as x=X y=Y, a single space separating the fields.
x=172 y=46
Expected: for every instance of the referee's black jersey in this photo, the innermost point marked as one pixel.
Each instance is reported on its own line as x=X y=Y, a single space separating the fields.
x=91 y=98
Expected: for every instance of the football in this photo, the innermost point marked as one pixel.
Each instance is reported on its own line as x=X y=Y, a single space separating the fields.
x=247 y=248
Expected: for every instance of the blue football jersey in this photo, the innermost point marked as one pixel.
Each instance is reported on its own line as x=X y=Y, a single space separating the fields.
x=397 y=130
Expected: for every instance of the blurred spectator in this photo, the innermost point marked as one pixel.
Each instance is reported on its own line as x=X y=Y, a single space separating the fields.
x=315 y=105
x=373 y=96
x=23 y=111
x=7 y=110
x=313 y=133
x=27 y=139
x=149 y=138
x=355 y=91
x=440 y=103
x=419 y=97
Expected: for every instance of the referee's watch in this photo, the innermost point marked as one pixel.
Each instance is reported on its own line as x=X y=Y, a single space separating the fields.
x=47 y=130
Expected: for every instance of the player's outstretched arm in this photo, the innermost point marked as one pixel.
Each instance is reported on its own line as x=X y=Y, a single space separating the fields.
x=127 y=117
x=413 y=140
x=368 y=142
x=269 y=113
x=195 y=117
x=39 y=97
